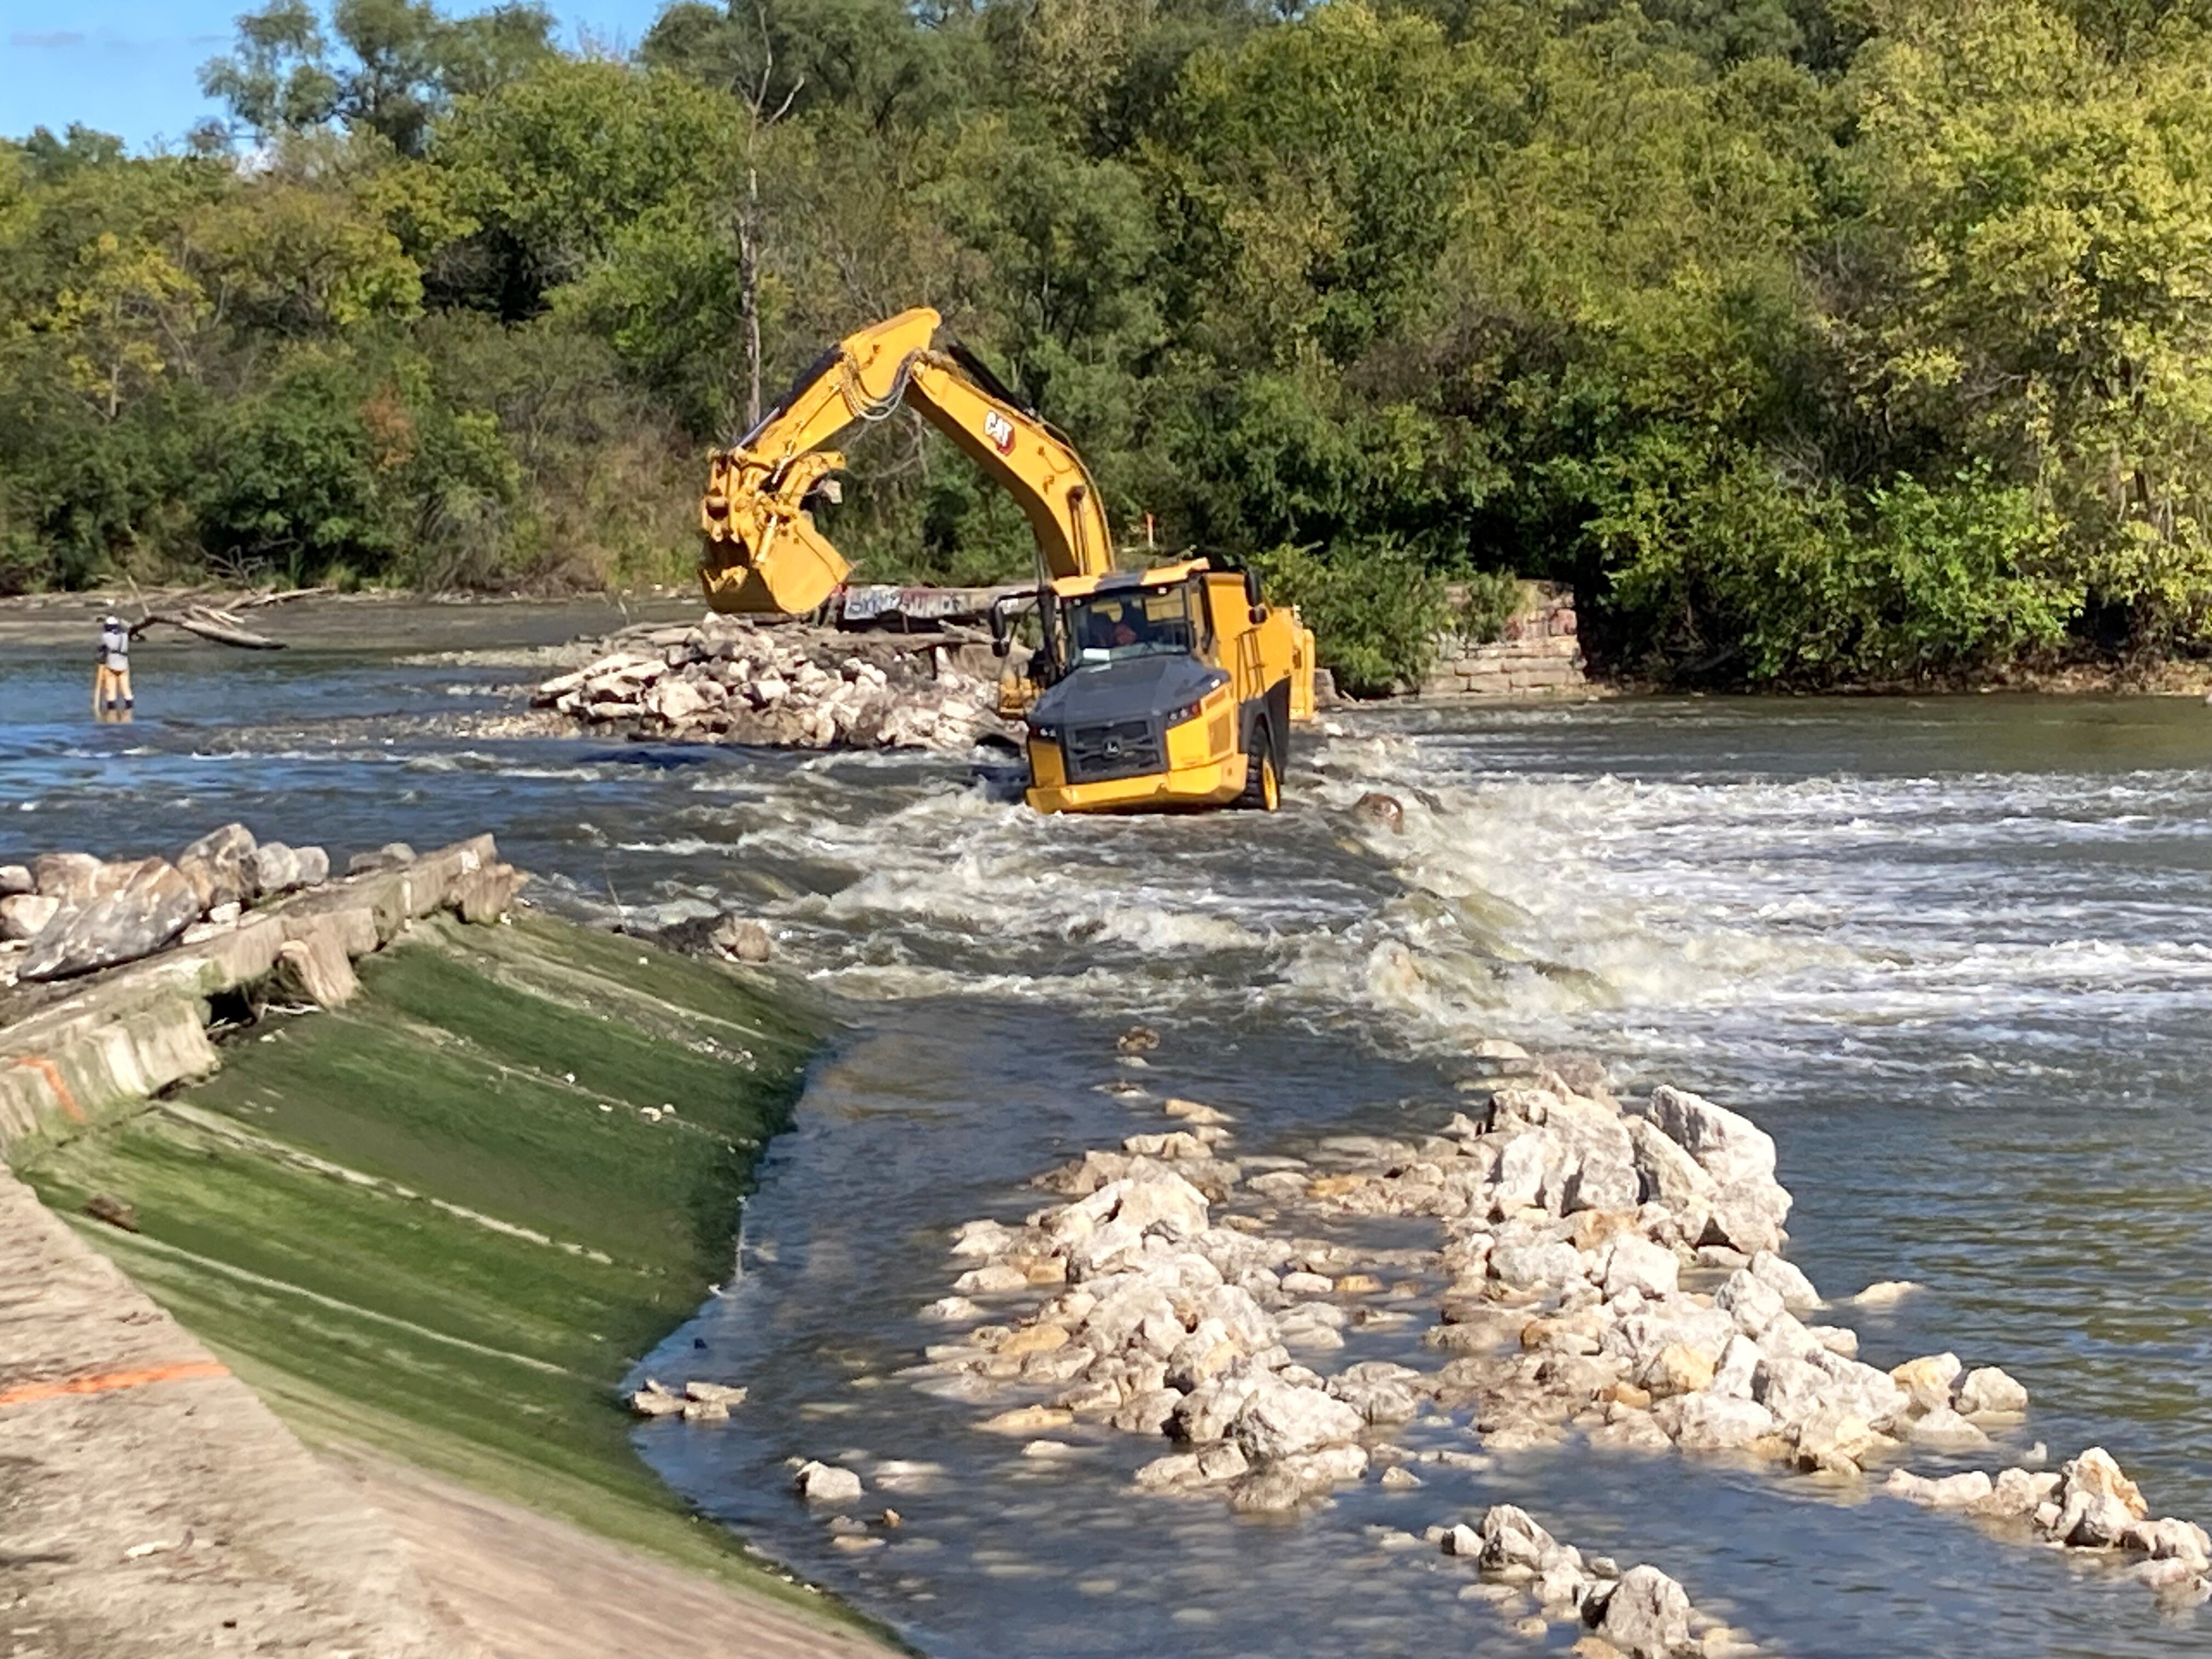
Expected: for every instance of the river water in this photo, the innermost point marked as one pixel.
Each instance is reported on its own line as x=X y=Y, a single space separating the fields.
x=1953 y=953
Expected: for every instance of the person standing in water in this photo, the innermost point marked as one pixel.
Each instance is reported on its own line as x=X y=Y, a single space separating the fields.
x=110 y=680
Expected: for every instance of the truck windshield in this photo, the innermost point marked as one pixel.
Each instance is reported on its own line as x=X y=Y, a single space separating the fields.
x=1134 y=622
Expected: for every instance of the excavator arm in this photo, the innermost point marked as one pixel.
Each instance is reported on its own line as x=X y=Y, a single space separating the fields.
x=764 y=553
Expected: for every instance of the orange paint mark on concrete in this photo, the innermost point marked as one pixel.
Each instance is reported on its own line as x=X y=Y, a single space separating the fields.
x=108 y=1381
x=52 y=1073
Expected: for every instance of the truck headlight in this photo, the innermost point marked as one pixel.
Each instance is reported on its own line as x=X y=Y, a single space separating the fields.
x=1177 y=716
x=1045 y=733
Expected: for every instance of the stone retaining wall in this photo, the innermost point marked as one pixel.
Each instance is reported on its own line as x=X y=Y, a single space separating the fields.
x=1540 y=655
x=76 y=1052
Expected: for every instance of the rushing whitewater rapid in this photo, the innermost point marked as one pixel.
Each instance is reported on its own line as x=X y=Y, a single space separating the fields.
x=1953 y=954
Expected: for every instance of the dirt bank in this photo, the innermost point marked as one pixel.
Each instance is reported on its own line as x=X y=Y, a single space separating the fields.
x=517 y=1585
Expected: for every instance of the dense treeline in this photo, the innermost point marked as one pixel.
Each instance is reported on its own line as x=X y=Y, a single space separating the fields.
x=1813 y=340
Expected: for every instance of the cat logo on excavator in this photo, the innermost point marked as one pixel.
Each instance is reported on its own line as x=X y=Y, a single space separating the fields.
x=999 y=430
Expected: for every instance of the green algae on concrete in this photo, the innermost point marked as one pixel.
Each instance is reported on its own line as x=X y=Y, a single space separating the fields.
x=446 y=1219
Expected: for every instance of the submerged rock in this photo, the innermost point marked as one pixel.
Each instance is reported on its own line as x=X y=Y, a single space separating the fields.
x=825 y=1483
x=1378 y=808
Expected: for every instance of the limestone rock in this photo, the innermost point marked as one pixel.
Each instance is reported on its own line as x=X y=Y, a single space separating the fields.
x=1832 y=1439
x=1678 y=1370
x=2169 y=1540
x=673 y=701
x=1863 y=1390
x=393 y=855
x=741 y=939
x=1751 y=1302
x=1989 y=1391
x=1636 y=1264
x=1646 y=1615
x=1738 y=1368
x=1666 y=1173
x=24 y=916
x=1747 y=1215
x=2017 y=1493
x=1537 y=1263
x=1176 y=1469
x=2094 y=1471
x=1928 y=1379
x=702 y=1392
x=655 y=1400
x=1728 y=1146
x=1603 y=1176
x=1714 y=1422
x=1957 y=1491
x=1027 y=1421
x=1509 y=1536
x=1945 y=1428
x=825 y=1483
x=1378 y=808
x=278 y=868
x=16 y=879
x=149 y=906
x=1785 y=1281
x=1279 y=1421
x=220 y=867
x=72 y=878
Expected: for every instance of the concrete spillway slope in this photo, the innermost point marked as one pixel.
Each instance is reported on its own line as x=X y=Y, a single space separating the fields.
x=434 y=1227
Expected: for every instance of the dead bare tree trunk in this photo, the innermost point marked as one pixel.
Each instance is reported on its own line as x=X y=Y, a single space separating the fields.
x=748 y=289
x=760 y=118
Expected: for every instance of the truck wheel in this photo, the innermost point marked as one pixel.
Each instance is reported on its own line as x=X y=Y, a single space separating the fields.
x=1263 y=786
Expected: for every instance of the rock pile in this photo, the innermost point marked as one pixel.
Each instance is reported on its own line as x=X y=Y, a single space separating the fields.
x=66 y=914
x=728 y=679
x=1163 y=1321
x=2086 y=1504
x=1603 y=1272
x=1567 y=1228
x=698 y=1402
x=1641 y=1613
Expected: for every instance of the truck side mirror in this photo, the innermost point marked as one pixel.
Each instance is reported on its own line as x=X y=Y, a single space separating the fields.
x=1252 y=590
x=1000 y=645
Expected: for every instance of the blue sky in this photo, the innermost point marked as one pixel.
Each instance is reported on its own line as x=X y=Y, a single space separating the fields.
x=131 y=67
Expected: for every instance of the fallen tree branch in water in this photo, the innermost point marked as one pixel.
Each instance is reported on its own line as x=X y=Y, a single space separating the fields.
x=219 y=626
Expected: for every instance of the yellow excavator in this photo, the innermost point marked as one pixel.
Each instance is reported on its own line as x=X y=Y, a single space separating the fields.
x=1148 y=690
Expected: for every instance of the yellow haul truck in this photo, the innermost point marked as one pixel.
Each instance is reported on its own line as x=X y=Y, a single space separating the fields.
x=1149 y=690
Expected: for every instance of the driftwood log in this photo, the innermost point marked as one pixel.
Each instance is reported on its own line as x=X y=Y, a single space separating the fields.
x=221 y=623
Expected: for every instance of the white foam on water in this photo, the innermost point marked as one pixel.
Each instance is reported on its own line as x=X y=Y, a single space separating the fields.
x=1553 y=907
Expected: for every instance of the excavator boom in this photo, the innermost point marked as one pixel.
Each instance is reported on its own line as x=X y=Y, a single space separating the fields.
x=764 y=552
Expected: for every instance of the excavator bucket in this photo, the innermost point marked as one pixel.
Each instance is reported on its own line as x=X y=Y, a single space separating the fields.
x=762 y=556
x=805 y=573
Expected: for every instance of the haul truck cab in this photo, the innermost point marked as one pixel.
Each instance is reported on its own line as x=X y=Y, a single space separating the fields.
x=1173 y=687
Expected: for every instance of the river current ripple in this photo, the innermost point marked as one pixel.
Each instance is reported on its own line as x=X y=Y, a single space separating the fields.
x=1953 y=953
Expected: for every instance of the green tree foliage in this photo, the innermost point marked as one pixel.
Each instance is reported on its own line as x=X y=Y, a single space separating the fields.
x=1813 y=341
x=391 y=67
